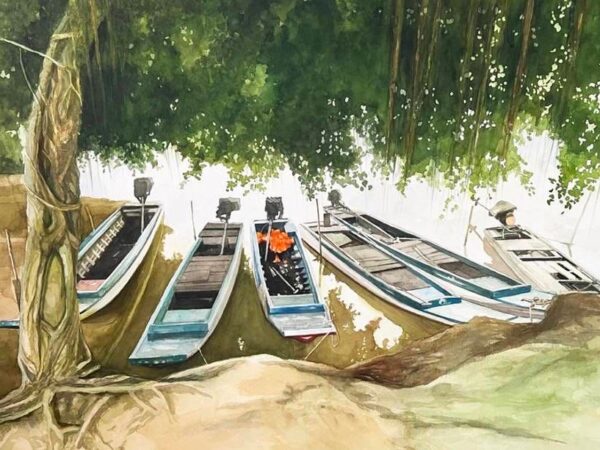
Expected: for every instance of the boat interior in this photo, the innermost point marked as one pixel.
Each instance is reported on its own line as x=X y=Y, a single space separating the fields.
x=422 y=250
x=110 y=248
x=567 y=273
x=545 y=259
x=379 y=264
x=286 y=275
x=198 y=286
x=509 y=233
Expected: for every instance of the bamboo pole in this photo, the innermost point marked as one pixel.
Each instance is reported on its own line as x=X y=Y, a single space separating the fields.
x=319 y=230
x=193 y=224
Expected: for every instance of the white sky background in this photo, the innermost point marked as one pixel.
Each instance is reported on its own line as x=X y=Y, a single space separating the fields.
x=418 y=210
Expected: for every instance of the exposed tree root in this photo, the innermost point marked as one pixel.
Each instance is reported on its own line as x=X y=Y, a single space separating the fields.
x=20 y=403
x=46 y=400
x=90 y=419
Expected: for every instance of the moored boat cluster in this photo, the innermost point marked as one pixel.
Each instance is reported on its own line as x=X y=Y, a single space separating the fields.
x=400 y=267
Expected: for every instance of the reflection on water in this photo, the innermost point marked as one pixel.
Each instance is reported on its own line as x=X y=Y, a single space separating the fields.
x=366 y=326
x=422 y=210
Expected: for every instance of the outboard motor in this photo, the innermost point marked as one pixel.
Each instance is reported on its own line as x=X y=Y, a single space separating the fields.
x=503 y=211
x=335 y=198
x=141 y=190
x=274 y=208
x=224 y=210
x=142 y=187
x=226 y=207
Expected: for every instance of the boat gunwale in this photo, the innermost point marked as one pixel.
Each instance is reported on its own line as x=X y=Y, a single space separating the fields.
x=293 y=231
x=169 y=292
x=390 y=297
x=508 y=258
x=88 y=300
x=269 y=309
x=501 y=299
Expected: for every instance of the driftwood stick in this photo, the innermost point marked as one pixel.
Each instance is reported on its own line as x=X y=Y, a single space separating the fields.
x=89 y=214
x=16 y=283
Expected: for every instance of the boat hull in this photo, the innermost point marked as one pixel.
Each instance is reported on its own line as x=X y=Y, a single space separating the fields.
x=489 y=287
x=93 y=301
x=447 y=314
x=309 y=317
x=184 y=343
x=535 y=261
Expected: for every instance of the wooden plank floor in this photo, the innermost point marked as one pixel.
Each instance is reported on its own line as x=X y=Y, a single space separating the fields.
x=385 y=268
x=204 y=273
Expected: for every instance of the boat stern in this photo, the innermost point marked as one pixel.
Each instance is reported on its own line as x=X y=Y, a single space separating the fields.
x=303 y=325
x=160 y=352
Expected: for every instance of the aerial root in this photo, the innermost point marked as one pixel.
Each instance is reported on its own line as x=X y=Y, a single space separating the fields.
x=56 y=433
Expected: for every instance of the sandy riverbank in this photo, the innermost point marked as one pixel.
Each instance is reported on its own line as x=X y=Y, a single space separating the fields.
x=538 y=389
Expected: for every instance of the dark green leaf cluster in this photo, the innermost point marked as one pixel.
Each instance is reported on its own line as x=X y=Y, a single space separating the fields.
x=28 y=22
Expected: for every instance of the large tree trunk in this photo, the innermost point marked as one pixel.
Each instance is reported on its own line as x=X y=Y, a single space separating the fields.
x=52 y=346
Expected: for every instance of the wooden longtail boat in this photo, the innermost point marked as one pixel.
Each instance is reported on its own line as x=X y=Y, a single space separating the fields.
x=532 y=259
x=388 y=277
x=286 y=286
x=193 y=302
x=444 y=264
x=110 y=256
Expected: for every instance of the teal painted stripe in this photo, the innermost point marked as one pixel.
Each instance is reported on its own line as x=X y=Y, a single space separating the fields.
x=297 y=309
x=187 y=329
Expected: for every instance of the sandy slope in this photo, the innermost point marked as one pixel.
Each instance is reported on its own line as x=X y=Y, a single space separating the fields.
x=536 y=393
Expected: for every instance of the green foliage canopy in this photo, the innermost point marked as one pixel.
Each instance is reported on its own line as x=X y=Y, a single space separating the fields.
x=258 y=85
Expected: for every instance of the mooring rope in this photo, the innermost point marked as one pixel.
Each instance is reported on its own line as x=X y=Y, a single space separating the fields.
x=203 y=358
x=316 y=346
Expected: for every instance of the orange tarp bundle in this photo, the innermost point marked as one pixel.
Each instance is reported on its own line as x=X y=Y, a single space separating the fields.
x=279 y=242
